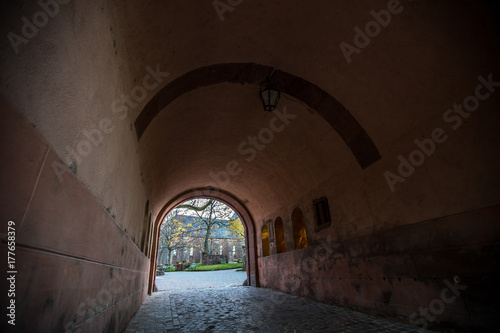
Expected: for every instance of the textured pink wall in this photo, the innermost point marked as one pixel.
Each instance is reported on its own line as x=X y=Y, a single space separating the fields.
x=76 y=268
x=397 y=271
x=66 y=81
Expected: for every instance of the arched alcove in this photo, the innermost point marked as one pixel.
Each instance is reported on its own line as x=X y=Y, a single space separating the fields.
x=299 y=229
x=280 y=235
x=265 y=240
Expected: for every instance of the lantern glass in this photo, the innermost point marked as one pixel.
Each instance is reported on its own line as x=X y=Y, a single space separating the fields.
x=269 y=95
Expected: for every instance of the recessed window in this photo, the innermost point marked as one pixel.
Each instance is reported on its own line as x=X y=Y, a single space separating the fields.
x=299 y=229
x=265 y=240
x=280 y=235
x=322 y=212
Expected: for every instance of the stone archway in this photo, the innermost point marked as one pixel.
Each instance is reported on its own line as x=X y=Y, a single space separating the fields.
x=332 y=111
x=228 y=199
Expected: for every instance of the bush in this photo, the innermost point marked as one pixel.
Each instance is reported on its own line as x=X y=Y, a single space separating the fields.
x=218 y=267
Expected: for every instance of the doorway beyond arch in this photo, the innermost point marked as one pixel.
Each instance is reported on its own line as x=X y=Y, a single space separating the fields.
x=228 y=199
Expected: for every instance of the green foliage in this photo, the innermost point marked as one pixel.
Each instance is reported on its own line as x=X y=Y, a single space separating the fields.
x=236 y=228
x=192 y=205
x=232 y=265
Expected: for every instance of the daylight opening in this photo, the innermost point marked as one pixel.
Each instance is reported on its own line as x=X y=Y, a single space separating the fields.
x=201 y=234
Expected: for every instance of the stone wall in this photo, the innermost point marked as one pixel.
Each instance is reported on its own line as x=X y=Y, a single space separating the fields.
x=81 y=67
x=198 y=244
x=213 y=259
x=397 y=271
x=76 y=267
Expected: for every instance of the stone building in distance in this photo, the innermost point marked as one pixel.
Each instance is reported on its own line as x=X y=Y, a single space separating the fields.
x=222 y=241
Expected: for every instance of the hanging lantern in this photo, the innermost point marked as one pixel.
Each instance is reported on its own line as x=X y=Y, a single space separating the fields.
x=270 y=95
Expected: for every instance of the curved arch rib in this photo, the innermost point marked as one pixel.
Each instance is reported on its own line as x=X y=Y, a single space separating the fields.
x=353 y=134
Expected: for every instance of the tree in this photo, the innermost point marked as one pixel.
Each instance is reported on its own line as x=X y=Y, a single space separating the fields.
x=211 y=214
x=236 y=229
x=174 y=233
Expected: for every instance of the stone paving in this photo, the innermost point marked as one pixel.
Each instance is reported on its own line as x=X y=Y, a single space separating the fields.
x=228 y=308
x=200 y=280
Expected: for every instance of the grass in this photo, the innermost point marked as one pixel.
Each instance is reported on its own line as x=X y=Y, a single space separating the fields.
x=231 y=265
x=200 y=267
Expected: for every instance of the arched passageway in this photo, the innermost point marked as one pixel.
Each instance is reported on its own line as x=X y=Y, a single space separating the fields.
x=233 y=203
x=386 y=137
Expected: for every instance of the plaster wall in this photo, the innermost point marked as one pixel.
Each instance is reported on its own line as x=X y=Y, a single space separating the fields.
x=437 y=224
x=63 y=83
x=397 y=88
x=76 y=267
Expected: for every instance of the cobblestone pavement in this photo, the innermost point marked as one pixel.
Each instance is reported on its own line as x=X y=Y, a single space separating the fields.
x=200 y=280
x=248 y=309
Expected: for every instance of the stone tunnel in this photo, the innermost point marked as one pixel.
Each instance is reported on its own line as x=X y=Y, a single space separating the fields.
x=373 y=185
